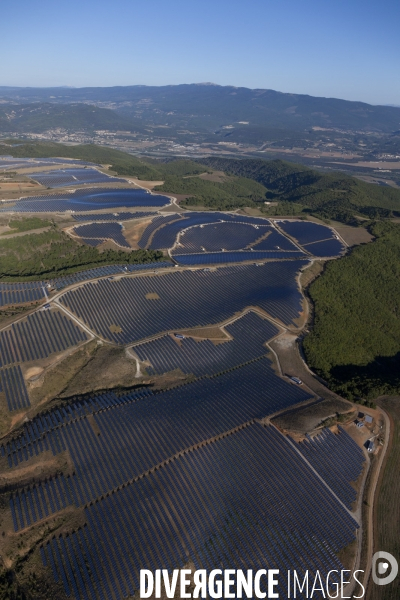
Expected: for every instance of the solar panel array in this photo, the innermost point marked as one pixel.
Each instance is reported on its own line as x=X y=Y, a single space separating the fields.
x=101 y=232
x=220 y=258
x=21 y=293
x=326 y=248
x=12 y=384
x=157 y=222
x=32 y=438
x=218 y=236
x=110 y=270
x=338 y=459
x=203 y=357
x=135 y=436
x=39 y=335
x=275 y=241
x=165 y=237
x=185 y=299
x=87 y=199
x=121 y=216
x=9 y=162
x=306 y=231
x=64 y=177
x=223 y=505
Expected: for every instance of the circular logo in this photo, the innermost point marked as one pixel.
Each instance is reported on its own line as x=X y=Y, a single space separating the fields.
x=381 y=563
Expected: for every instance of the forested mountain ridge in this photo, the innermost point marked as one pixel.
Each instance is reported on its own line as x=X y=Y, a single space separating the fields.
x=212 y=105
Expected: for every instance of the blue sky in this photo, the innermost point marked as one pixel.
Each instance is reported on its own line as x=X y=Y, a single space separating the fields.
x=342 y=48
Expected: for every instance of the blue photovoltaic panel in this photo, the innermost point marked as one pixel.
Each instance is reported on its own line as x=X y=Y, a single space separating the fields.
x=62 y=282
x=338 y=459
x=120 y=216
x=88 y=199
x=12 y=294
x=165 y=236
x=219 y=236
x=203 y=357
x=13 y=386
x=221 y=503
x=180 y=418
x=215 y=258
x=327 y=248
x=275 y=241
x=306 y=231
x=101 y=232
x=42 y=333
x=64 y=177
x=185 y=299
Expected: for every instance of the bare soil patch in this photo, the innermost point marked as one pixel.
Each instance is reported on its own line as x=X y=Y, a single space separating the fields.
x=206 y=333
x=354 y=235
x=306 y=419
x=109 y=367
x=215 y=176
x=287 y=350
x=147 y=185
x=33 y=372
x=133 y=231
x=152 y=296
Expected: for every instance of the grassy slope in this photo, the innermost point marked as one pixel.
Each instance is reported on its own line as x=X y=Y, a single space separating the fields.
x=355 y=342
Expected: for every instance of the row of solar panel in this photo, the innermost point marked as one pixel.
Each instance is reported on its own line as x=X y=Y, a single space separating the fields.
x=63 y=282
x=64 y=177
x=185 y=299
x=30 y=163
x=164 y=236
x=222 y=505
x=21 y=293
x=34 y=431
x=249 y=334
x=137 y=435
x=232 y=236
x=306 y=232
x=84 y=200
x=157 y=222
x=220 y=258
x=120 y=216
x=39 y=335
x=12 y=384
x=101 y=232
x=338 y=459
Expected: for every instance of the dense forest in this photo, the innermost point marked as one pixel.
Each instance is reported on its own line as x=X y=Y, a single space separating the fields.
x=53 y=253
x=355 y=342
x=330 y=196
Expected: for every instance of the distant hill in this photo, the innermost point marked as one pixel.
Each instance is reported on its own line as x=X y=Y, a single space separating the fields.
x=39 y=117
x=205 y=107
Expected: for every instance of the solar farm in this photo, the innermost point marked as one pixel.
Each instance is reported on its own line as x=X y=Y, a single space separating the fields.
x=90 y=199
x=29 y=340
x=144 y=306
x=194 y=238
x=182 y=466
x=96 y=233
x=67 y=177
